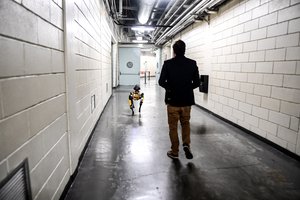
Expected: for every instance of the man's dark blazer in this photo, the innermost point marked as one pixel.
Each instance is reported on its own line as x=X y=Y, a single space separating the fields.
x=179 y=76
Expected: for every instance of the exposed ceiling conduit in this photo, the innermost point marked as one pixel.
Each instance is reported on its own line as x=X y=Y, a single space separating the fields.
x=183 y=17
x=216 y=2
x=158 y=10
x=167 y=15
x=120 y=7
x=157 y=6
x=145 y=10
x=187 y=12
x=209 y=5
x=189 y=19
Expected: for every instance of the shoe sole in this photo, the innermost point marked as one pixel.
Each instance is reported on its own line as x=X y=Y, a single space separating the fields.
x=188 y=153
x=173 y=157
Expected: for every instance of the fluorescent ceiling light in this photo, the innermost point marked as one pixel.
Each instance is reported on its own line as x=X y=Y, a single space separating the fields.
x=139 y=41
x=143 y=19
x=142 y=28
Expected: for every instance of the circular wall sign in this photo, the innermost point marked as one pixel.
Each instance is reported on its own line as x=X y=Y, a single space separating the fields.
x=129 y=64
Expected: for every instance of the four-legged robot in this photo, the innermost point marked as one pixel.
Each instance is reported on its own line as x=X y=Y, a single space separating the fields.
x=135 y=95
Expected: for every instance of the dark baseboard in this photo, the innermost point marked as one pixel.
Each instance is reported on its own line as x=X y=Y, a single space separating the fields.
x=274 y=145
x=73 y=176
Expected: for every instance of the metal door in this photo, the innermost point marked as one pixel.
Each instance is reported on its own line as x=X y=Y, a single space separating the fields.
x=129 y=62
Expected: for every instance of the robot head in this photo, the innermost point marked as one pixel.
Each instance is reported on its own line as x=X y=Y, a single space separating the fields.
x=136 y=88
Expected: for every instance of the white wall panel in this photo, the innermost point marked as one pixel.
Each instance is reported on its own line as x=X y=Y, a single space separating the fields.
x=37 y=59
x=14 y=133
x=17 y=22
x=10 y=48
x=41 y=8
x=89 y=67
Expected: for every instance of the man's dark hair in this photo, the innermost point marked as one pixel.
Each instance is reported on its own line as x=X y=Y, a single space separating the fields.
x=179 y=48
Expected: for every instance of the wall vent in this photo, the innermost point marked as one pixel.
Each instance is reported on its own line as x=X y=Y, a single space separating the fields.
x=16 y=186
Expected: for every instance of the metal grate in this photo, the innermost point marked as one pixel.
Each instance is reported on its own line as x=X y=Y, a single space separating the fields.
x=16 y=186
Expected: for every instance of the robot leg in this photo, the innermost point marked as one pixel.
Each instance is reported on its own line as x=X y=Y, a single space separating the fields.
x=131 y=104
x=141 y=101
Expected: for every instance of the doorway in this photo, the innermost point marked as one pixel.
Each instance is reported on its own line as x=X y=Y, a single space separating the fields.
x=129 y=61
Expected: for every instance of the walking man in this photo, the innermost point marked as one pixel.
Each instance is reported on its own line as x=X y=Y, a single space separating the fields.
x=179 y=76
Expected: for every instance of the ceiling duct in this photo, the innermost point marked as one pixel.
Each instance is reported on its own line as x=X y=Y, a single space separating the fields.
x=145 y=10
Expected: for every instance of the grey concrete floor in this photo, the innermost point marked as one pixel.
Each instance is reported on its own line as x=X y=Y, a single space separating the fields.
x=126 y=158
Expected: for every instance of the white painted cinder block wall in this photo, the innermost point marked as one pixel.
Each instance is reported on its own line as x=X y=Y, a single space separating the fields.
x=54 y=55
x=251 y=52
x=89 y=69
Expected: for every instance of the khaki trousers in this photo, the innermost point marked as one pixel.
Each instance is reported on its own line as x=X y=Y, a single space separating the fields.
x=183 y=114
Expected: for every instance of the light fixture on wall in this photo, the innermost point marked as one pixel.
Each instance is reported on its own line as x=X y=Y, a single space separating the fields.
x=201 y=19
x=211 y=12
x=198 y=19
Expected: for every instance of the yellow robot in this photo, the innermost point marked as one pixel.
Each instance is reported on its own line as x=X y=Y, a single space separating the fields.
x=135 y=96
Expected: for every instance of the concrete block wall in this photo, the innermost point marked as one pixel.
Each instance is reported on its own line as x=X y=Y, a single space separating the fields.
x=33 y=122
x=115 y=72
x=54 y=56
x=89 y=70
x=253 y=63
x=106 y=42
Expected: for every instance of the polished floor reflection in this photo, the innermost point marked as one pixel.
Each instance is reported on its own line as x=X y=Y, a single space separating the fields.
x=126 y=158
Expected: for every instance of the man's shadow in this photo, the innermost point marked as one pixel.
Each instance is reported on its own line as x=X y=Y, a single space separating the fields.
x=187 y=182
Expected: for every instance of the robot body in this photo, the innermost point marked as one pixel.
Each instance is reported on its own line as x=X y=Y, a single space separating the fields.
x=135 y=96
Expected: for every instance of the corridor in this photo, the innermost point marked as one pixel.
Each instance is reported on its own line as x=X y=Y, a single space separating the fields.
x=66 y=70
x=126 y=158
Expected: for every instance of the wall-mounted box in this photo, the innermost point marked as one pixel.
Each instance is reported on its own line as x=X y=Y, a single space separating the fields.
x=203 y=83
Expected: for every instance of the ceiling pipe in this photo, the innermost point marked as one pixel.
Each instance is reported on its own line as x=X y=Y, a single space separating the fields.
x=132 y=25
x=157 y=6
x=120 y=7
x=206 y=8
x=166 y=15
x=188 y=10
x=177 y=30
x=145 y=10
x=161 y=5
x=216 y=2
x=111 y=9
x=183 y=19
x=178 y=9
x=189 y=21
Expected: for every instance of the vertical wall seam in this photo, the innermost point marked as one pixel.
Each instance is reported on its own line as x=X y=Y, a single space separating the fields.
x=64 y=8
